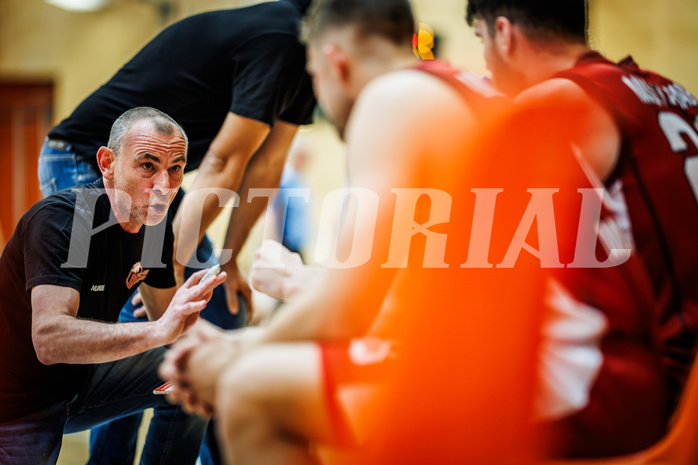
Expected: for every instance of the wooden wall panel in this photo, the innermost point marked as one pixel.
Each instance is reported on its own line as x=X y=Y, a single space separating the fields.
x=25 y=118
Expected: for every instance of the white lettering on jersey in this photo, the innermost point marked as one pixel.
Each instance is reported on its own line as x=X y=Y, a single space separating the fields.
x=669 y=95
x=98 y=288
x=679 y=97
x=647 y=93
x=616 y=231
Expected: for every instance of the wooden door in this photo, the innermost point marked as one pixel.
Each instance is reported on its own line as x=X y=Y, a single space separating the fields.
x=25 y=119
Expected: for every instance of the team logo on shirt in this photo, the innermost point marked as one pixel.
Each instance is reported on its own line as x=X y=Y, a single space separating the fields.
x=136 y=275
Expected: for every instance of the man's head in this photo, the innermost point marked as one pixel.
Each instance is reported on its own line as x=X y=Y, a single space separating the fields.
x=546 y=26
x=541 y=19
x=143 y=165
x=349 y=43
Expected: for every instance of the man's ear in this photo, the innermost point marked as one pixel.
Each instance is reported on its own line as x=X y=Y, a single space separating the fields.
x=338 y=62
x=503 y=36
x=105 y=159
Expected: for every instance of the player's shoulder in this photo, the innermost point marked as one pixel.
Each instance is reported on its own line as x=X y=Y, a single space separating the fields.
x=559 y=90
x=64 y=206
x=51 y=214
x=418 y=84
x=563 y=96
x=410 y=93
x=415 y=111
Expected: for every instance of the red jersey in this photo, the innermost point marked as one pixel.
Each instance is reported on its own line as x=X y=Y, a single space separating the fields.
x=657 y=172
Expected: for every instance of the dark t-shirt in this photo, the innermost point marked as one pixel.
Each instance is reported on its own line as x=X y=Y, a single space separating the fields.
x=52 y=244
x=247 y=61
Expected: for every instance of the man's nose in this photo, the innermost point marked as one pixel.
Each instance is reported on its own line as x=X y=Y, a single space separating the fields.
x=161 y=182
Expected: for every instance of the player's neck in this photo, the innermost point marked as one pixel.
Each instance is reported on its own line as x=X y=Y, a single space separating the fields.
x=391 y=60
x=546 y=62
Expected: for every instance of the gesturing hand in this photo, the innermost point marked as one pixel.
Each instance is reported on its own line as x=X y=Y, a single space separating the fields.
x=277 y=271
x=186 y=304
x=194 y=363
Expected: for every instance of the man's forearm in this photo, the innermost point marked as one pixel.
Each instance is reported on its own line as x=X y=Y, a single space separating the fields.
x=66 y=339
x=222 y=168
x=199 y=209
x=242 y=219
x=263 y=172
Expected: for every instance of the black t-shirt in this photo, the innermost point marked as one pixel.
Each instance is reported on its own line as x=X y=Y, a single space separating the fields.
x=59 y=241
x=246 y=60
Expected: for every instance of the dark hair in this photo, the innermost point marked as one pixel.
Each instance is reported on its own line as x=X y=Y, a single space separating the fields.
x=301 y=5
x=390 y=19
x=540 y=18
x=161 y=122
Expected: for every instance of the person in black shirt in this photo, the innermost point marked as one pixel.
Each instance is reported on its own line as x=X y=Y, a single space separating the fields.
x=72 y=263
x=236 y=82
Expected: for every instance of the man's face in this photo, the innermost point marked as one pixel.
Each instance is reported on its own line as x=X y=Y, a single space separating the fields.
x=504 y=75
x=147 y=175
x=331 y=95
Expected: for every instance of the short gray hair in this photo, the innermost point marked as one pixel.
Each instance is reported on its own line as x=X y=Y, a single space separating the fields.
x=161 y=122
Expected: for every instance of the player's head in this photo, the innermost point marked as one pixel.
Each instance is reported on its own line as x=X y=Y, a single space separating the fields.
x=161 y=122
x=350 y=42
x=540 y=19
x=302 y=5
x=389 y=19
x=545 y=24
x=143 y=166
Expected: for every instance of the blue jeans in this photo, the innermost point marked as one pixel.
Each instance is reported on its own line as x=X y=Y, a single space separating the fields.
x=112 y=390
x=60 y=168
x=115 y=443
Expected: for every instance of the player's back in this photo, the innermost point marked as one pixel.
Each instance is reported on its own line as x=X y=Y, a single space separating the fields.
x=657 y=172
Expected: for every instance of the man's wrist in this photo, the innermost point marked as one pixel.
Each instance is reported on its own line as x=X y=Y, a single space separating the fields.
x=158 y=334
x=231 y=266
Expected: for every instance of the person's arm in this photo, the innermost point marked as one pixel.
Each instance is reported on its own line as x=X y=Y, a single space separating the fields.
x=155 y=301
x=264 y=171
x=595 y=132
x=59 y=336
x=245 y=153
x=280 y=273
x=222 y=168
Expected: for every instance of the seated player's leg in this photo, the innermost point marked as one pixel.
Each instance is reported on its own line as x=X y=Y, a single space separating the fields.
x=272 y=406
